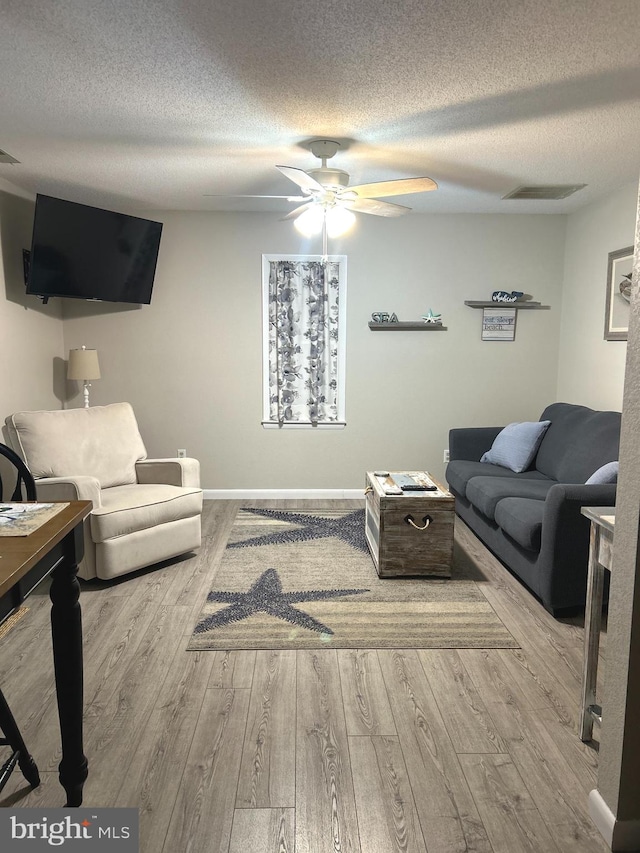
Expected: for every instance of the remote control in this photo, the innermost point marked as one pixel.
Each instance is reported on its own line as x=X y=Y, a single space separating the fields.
x=416 y=487
x=392 y=490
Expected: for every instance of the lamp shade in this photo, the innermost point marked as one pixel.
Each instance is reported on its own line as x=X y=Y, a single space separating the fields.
x=310 y=222
x=339 y=220
x=83 y=364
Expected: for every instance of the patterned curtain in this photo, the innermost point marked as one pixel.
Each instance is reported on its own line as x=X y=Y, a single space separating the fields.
x=303 y=341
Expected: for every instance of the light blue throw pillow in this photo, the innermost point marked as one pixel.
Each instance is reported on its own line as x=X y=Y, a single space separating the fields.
x=607 y=474
x=516 y=445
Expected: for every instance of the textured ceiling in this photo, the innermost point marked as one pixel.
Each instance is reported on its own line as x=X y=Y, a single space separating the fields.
x=150 y=104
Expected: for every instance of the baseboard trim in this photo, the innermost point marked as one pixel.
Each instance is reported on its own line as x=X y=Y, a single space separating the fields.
x=282 y=494
x=618 y=834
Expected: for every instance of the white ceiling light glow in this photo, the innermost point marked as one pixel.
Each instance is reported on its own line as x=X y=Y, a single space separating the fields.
x=311 y=221
x=339 y=220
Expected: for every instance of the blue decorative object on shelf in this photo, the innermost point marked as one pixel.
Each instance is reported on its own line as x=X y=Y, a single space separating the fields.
x=430 y=317
x=503 y=296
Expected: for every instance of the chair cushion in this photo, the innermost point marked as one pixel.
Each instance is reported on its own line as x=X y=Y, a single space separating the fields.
x=521 y=519
x=516 y=445
x=460 y=471
x=484 y=493
x=101 y=442
x=127 y=509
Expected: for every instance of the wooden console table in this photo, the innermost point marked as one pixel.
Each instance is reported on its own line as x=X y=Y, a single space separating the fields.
x=603 y=519
x=55 y=549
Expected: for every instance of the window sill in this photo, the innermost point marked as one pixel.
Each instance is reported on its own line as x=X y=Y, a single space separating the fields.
x=303 y=425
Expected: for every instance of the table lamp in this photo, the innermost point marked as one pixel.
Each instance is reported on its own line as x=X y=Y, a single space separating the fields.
x=83 y=366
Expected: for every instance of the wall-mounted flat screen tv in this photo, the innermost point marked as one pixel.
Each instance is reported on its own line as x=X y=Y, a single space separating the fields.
x=89 y=253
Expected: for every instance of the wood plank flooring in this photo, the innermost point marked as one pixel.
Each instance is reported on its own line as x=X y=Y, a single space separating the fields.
x=323 y=751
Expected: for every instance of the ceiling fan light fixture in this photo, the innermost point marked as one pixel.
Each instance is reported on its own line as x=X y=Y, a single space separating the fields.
x=339 y=220
x=310 y=222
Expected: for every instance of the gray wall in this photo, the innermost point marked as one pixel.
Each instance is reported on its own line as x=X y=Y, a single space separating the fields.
x=619 y=759
x=591 y=370
x=32 y=352
x=191 y=362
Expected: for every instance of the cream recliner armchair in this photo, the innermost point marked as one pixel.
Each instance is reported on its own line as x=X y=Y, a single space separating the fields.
x=144 y=510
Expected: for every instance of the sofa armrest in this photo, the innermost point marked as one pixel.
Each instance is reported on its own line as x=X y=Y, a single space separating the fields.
x=471 y=442
x=564 y=549
x=171 y=472
x=563 y=504
x=80 y=488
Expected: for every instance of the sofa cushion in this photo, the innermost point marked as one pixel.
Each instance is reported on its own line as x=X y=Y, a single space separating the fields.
x=521 y=519
x=101 y=442
x=460 y=471
x=128 y=509
x=484 y=493
x=606 y=474
x=578 y=442
x=516 y=445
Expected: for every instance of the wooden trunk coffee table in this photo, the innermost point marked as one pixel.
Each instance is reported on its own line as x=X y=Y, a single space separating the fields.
x=411 y=533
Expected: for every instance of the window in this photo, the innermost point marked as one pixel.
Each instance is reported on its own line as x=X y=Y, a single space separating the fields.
x=304 y=301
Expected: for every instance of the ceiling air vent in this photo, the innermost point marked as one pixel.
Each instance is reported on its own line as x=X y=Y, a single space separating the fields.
x=556 y=191
x=7 y=158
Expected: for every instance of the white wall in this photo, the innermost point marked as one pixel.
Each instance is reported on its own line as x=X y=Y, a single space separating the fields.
x=191 y=362
x=591 y=370
x=31 y=336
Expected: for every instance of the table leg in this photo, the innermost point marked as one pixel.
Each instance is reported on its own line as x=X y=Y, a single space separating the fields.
x=66 y=631
x=592 y=624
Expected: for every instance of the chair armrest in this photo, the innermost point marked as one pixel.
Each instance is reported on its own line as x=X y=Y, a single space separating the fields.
x=172 y=472
x=80 y=488
x=471 y=442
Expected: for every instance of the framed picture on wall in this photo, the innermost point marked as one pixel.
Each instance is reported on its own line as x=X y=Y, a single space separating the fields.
x=498 y=324
x=616 y=318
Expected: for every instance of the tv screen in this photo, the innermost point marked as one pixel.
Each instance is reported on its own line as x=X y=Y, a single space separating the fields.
x=89 y=253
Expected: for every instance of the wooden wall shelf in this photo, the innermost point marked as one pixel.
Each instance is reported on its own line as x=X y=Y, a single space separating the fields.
x=522 y=304
x=410 y=326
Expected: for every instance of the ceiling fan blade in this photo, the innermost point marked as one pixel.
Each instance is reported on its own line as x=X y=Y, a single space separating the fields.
x=284 y=197
x=378 y=208
x=298 y=211
x=299 y=177
x=403 y=186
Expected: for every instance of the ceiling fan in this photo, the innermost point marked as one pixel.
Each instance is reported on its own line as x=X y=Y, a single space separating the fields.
x=328 y=201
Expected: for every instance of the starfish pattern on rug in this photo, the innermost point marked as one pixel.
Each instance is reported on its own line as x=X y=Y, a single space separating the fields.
x=266 y=594
x=349 y=528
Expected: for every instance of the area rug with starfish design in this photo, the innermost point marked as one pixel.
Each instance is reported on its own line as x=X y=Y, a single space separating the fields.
x=305 y=579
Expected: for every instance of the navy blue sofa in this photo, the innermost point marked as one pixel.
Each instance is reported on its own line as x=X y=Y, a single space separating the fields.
x=532 y=521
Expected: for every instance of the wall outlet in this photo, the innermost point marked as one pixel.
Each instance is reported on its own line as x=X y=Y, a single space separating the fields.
x=445 y=455
x=182 y=453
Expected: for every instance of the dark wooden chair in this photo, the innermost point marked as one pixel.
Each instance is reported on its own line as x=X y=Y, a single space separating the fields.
x=25 y=488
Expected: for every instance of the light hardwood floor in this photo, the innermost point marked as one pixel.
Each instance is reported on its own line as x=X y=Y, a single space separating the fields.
x=349 y=751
